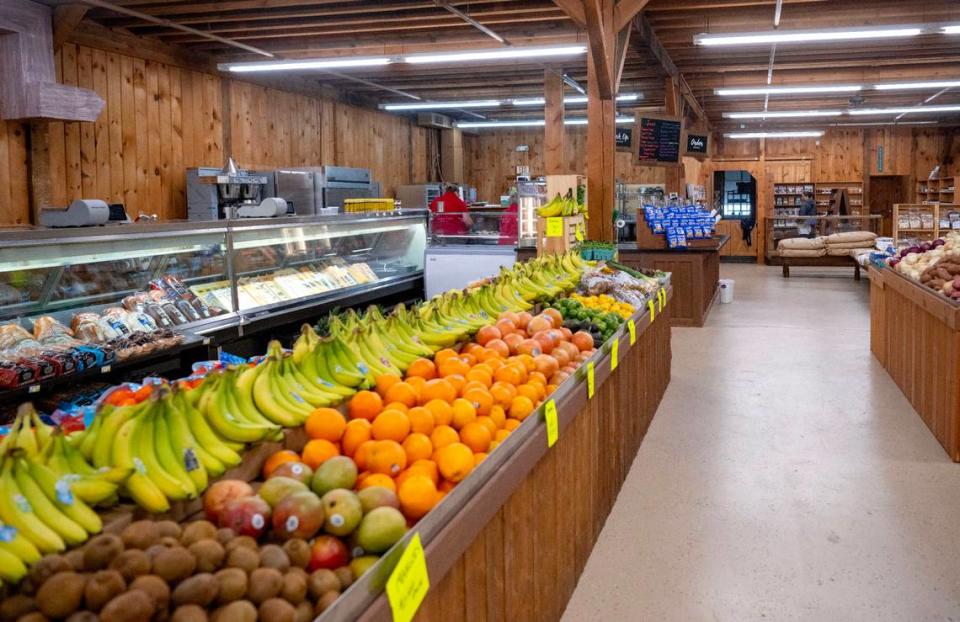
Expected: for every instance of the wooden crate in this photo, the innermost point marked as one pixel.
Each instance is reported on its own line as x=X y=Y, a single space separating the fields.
x=567 y=239
x=559 y=184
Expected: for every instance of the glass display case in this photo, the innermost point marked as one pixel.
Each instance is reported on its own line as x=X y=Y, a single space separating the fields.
x=494 y=227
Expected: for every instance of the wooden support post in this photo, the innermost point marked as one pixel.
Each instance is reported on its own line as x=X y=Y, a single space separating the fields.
x=554 y=158
x=601 y=152
x=451 y=155
x=41 y=171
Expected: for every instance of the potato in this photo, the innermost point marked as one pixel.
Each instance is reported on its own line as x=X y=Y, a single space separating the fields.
x=277 y=610
x=100 y=551
x=61 y=594
x=174 y=564
x=294 y=585
x=200 y=589
x=265 y=583
x=101 y=587
x=209 y=554
x=154 y=587
x=189 y=613
x=15 y=606
x=132 y=606
x=131 y=564
x=237 y=611
x=232 y=584
x=141 y=534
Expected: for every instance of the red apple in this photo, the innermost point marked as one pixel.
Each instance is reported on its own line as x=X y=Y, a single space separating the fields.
x=328 y=552
x=247 y=516
x=299 y=515
x=218 y=495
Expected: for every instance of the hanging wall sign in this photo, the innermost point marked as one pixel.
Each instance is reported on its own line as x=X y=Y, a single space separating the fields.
x=624 y=138
x=695 y=145
x=657 y=140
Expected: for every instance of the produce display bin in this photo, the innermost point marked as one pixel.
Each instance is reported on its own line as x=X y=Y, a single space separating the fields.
x=915 y=334
x=567 y=238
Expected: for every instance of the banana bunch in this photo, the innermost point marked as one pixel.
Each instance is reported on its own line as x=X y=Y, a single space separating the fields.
x=566 y=205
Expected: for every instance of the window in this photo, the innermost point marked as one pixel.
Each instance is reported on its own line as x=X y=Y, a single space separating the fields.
x=735 y=192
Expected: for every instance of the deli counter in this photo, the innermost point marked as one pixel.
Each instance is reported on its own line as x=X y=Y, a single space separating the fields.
x=85 y=300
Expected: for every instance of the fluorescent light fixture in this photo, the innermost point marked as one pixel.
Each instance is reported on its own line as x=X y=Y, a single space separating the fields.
x=529 y=123
x=800 y=134
x=789 y=90
x=885 y=123
x=478 y=103
x=951 y=30
x=905 y=110
x=496 y=54
x=575 y=99
x=915 y=86
x=317 y=63
x=785 y=114
x=805 y=36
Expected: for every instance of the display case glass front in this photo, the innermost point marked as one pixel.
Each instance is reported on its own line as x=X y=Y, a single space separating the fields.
x=494 y=227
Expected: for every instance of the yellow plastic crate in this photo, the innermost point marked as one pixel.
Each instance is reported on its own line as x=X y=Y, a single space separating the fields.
x=367 y=205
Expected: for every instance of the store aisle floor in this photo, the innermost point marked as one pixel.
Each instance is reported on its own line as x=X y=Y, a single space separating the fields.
x=784 y=477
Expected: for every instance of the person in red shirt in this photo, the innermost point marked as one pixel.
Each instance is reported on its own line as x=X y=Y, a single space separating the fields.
x=450 y=215
x=508 y=221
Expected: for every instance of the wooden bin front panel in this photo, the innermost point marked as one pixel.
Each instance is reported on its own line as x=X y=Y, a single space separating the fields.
x=695 y=277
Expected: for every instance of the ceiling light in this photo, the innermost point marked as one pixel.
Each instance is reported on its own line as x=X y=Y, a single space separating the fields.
x=530 y=123
x=905 y=110
x=802 y=134
x=804 y=36
x=317 y=63
x=496 y=54
x=575 y=99
x=886 y=123
x=788 y=90
x=785 y=114
x=478 y=103
x=951 y=30
x=942 y=84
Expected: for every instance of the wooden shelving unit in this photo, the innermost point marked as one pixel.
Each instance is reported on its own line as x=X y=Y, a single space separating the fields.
x=823 y=193
x=786 y=204
x=926 y=221
x=933 y=191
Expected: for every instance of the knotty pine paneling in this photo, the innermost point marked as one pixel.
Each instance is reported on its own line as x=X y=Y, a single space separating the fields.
x=14 y=198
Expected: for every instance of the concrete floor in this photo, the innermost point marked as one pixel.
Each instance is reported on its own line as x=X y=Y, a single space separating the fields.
x=784 y=477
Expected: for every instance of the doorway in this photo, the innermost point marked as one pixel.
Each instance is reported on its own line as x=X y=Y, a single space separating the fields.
x=885 y=191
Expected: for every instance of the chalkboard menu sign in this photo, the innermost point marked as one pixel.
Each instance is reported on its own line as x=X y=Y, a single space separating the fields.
x=657 y=140
x=624 y=138
x=695 y=145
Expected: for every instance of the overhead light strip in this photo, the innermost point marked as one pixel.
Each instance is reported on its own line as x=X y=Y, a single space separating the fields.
x=952 y=29
x=495 y=103
x=788 y=90
x=916 y=86
x=320 y=63
x=510 y=53
x=798 y=134
x=804 y=36
x=530 y=123
x=787 y=114
x=905 y=110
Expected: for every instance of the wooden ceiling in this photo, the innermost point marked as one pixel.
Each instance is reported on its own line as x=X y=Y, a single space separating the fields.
x=321 y=28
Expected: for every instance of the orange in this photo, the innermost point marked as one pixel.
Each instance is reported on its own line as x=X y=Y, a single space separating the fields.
x=403 y=393
x=443 y=435
x=422 y=368
x=511 y=424
x=356 y=432
x=487 y=355
x=537 y=377
x=501 y=435
x=481 y=399
x=384 y=382
x=482 y=375
x=396 y=406
x=443 y=355
x=438 y=389
x=494 y=444
x=503 y=393
x=551 y=388
x=391 y=425
x=476 y=436
x=417 y=383
x=494 y=363
x=446 y=486
x=318 y=451
x=463 y=413
x=365 y=405
x=418 y=495
x=511 y=374
x=325 y=423
x=452 y=366
x=489 y=424
x=498 y=415
x=455 y=461
x=425 y=467
x=442 y=411
x=469 y=359
x=472 y=385
x=417 y=447
x=363 y=451
x=421 y=420
x=530 y=391
x=387 y=457
x=527 y=361
x=274 y=461
x=471 y=349
x=457 y=381
x=478 y=458
x=377 y=479
x=521 y=407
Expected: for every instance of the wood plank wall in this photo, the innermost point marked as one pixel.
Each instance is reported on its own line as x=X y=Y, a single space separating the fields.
x=160 y=119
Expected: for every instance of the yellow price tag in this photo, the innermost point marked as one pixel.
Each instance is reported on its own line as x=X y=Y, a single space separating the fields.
x=553 y=424
x=409 y=582
x=652 y=310
x=579 y=233
x=590 y=380
x=632 y=327
x=555 y=227
x=614 y=351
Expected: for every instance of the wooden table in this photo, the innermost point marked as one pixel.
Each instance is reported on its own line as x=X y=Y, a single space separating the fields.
x=915 y=334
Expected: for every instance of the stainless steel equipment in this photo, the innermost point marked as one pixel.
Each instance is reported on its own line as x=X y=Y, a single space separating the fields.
x=629 y=199
x=298 y=187
x=418 y=196
x=337 y=183
x=213 y=193
x=530 y=196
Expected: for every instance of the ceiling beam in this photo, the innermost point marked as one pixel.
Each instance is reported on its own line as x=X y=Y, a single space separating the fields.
x=625 y=11
x=649 y=39
x=574 y=10
x=600 y=35
x=66 y=18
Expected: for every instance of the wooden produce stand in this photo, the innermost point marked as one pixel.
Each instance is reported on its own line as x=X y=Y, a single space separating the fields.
x=915 y=334
x=510 y=541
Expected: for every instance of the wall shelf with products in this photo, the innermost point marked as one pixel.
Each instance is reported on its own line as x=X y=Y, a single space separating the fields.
x=824 y=195
x=924 y=221
x=938 y=190
x=787 y=199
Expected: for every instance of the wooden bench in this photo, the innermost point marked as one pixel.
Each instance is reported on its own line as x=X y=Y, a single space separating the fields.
x=833 y=261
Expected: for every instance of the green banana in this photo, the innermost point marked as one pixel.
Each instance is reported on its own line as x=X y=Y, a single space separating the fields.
x=139 y=487
x=60 y=493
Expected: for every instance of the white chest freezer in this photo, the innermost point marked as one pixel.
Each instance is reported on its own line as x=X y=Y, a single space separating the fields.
x=454 y=266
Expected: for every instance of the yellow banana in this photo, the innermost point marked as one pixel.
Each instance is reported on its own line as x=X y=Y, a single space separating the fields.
x=138 y=486
x=56 y=503
x=12 y=568
x=206 y=437
x=150 y=437
x=17 y=512
x=13 y=542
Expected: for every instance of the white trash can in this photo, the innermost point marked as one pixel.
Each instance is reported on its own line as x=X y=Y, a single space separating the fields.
x=726 y=290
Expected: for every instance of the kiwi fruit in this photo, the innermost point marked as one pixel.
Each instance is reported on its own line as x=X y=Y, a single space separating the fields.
x=61 y=594
x=232 y=584
x=154 y=587
x=304 y=612
x=48 y=566
x=277 y=610
x=200 y=589
x=244 y=542
x=169 y=528
x=242 y=557
x=75 y=559
x=346 y=577
x=295 y=585
x=132 y=606
x=196 y=531
x=298 y=551
x=189 y=613
x=83 y=616
x=100 y=551
x=174 y=564
x=101 y=587
x=141 y=534
x=237 y=611
x=265 y=583
x=326 y=601
x=322 y=581
x=131 y=564
x=13 y=607
x=273 y=556
x=209 y=555
x=34 y=616
x=225 y=534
